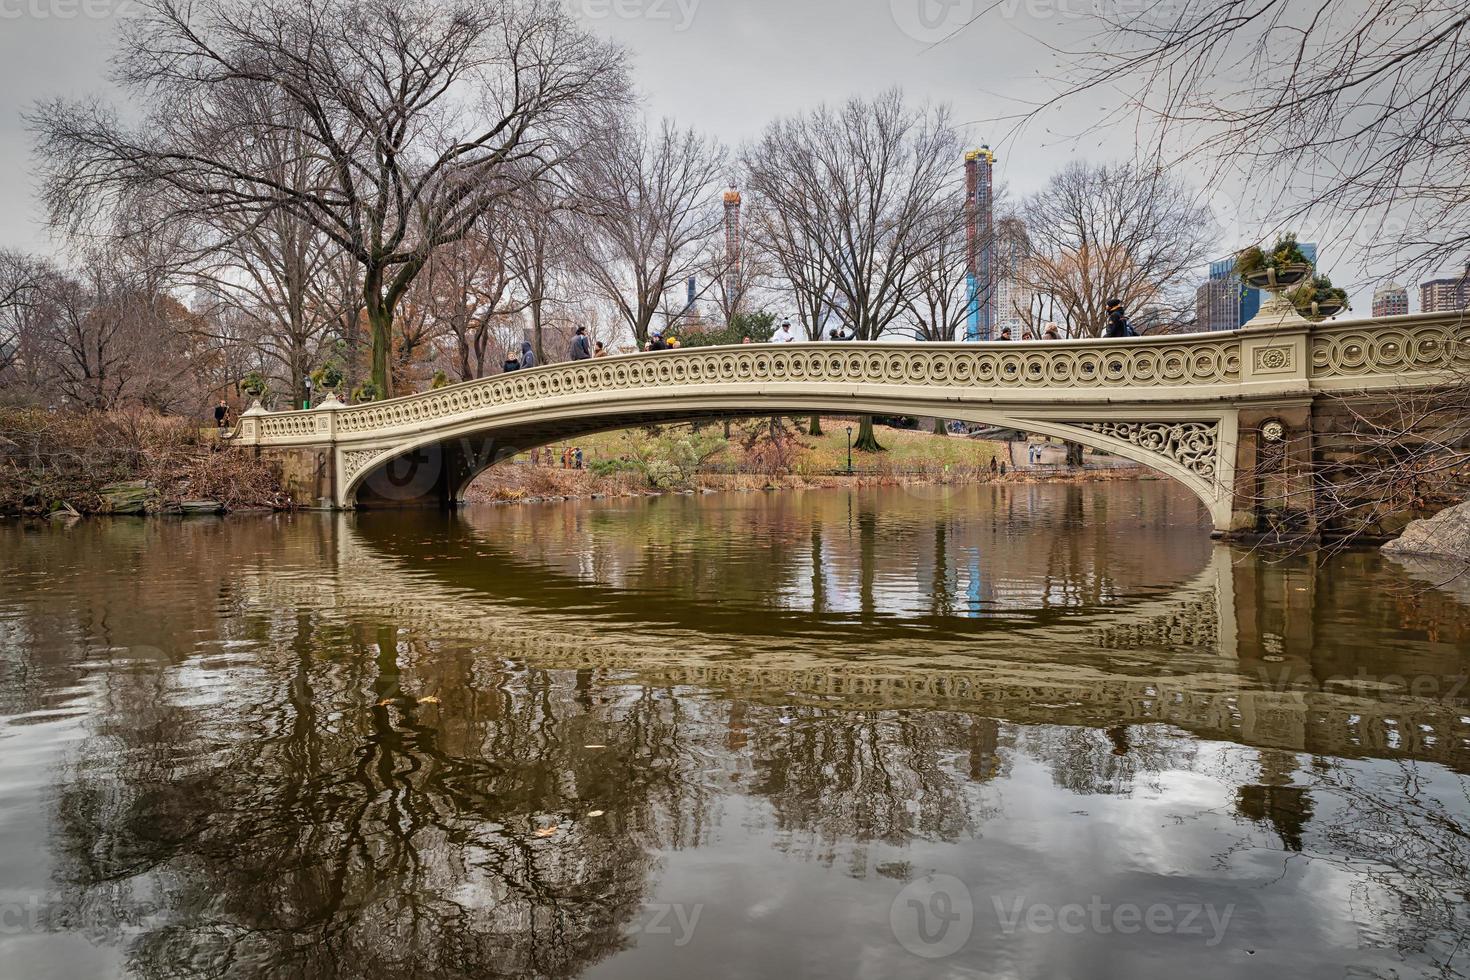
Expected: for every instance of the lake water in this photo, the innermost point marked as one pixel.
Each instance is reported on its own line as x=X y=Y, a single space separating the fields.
x=1015 y=731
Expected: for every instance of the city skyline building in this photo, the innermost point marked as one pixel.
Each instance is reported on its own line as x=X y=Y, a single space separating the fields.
x=733 y=249
x=980 y=243
x=1390 y=300
x=1445 y=295
x=1012 y=298
x=1217 y=305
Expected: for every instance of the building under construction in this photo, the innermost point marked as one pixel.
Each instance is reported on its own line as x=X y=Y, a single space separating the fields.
x=980 y=243
x=733 y=251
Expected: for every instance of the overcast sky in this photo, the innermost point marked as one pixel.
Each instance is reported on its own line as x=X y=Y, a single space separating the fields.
x=724 y=66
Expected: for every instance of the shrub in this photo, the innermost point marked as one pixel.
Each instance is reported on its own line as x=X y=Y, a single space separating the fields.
x=368 y=391
x=1318 y=290
x=50 y=457
x=1285 y=252
x=613 y=467
x=672 y=460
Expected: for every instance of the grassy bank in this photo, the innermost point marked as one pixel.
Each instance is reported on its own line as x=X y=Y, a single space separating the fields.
x=685 y=458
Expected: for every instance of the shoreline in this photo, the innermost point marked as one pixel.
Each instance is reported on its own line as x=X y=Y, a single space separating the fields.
x=553 y=485
x=556 y=485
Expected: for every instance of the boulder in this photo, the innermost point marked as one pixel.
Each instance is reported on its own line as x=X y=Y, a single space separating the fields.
x=1445 y=536
x=134 y=497
x=196 y=507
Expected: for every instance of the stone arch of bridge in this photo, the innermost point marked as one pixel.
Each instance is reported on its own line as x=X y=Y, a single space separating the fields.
x=1195 y=447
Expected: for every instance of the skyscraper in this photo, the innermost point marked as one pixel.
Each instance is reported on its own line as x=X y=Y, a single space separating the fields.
x=979 y=244
x=1390 y=300
x=1445 y=295
x=1248 y=300
x=1217 y=305
x=734 y=285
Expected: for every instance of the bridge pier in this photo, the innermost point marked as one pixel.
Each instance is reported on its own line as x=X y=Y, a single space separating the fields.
x=1275 y=489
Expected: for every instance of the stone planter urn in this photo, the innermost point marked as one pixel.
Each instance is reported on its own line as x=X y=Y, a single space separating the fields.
x=1317 y=311
x=1279 y=279
x=1278 y=310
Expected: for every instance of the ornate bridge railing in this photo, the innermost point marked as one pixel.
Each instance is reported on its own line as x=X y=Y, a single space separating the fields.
x=1178 y=403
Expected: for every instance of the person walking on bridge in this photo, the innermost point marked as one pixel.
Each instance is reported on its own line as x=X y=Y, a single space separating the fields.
x=581 y=348
x=528 y=354
x=783 y=334
x=1118 y=325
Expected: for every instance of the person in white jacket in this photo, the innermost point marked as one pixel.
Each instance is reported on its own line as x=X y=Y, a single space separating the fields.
x=783 y=334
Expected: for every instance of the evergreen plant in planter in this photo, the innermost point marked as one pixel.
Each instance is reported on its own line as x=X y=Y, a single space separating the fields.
x=328 y=377
x=367 y=392
x=1319 y=299
x=1283 y=267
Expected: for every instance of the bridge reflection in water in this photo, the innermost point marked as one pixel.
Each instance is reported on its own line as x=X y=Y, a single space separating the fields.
x=336 y=745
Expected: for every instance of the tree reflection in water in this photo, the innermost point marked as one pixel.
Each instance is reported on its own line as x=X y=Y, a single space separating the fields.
x=301 y=761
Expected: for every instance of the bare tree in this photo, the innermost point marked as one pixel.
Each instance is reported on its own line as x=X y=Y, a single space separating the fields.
x=801 y=269
x=416 y=116
x=271 y=266
x=1344 y=112
x=470 y=286
x=859 y=188
x=537 y=248
x=21 y=279
x=109 y=340
x=937 y=302
x=651 y=211
x=1101 y=232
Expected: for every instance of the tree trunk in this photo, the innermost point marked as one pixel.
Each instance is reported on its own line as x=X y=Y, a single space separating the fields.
x=381 y=321
x=816 y=427
x=1074 y=454
x=536 y=326
x=940 y=427
x=866 y=441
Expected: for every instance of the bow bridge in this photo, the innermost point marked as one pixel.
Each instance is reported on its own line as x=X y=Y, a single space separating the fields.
x=1235 y=416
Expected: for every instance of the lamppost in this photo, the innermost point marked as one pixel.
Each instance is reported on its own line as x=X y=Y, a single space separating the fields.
x=308 y=394
x=849 y=450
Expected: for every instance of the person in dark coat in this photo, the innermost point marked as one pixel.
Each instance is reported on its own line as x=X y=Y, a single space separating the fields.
x=581 y=348
x=511 y=364
x=1118 y=325
x=528 y=354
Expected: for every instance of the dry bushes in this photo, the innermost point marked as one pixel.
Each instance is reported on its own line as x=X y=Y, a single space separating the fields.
x=51 y=460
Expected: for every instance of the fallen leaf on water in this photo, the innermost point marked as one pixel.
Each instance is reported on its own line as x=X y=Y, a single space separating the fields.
x=594 y=813
x=385 y=702
x=429 y=700
x=594 y=746
x=546 y=831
